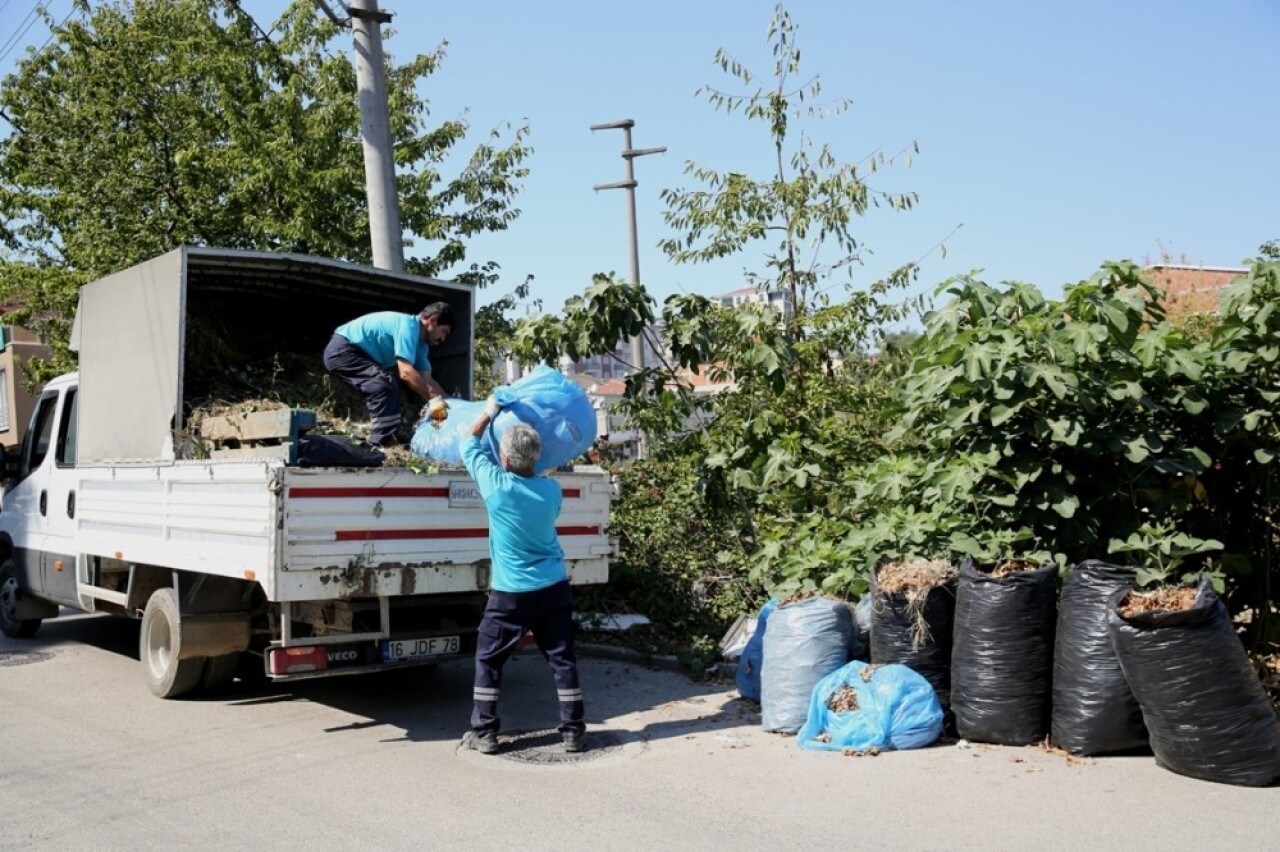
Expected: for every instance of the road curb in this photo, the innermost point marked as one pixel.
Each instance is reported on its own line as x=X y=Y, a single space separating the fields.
x=667 y=662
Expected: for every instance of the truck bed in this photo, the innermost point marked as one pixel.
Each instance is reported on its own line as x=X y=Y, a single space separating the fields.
x=308 y=534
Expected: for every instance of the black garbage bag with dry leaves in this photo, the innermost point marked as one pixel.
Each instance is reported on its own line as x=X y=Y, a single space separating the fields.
x=1206 y=711
x=911 y=625
x=1002 y=661
x=1094 y=711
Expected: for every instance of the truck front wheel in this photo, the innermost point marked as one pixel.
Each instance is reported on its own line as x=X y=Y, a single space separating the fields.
x=10 y=624
x=160 y=645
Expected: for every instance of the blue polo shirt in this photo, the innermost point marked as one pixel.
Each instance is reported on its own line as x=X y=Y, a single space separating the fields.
x=387 y=335
x=523 y=546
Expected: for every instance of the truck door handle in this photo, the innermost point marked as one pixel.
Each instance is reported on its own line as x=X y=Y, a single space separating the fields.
x=44 y=501
x=71 y=504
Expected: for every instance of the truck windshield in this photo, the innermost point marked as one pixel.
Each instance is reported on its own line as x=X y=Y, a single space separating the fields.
x=36 y=444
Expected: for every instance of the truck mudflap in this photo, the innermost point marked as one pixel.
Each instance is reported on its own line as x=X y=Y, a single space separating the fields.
x=300 y=661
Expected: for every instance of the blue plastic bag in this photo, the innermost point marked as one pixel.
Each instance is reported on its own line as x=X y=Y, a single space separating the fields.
x=556 y=407
x=747 y=675
x=896 y=709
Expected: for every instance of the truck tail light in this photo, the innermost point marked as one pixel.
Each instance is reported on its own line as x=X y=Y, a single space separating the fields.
x=307 y=658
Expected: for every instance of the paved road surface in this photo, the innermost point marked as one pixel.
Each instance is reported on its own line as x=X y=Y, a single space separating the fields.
x=91 y=760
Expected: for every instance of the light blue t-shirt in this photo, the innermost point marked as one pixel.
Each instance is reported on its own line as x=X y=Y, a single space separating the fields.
x=388 y=335
x=523 y=546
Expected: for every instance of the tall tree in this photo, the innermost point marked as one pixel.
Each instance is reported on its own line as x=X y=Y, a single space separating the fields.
x=806 y=404
x=147 y=124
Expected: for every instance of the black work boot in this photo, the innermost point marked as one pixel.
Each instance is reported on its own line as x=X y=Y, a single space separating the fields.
x=485 y=742
x=574 y=741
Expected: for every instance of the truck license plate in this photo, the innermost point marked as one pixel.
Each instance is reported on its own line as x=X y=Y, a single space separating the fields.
x=409 y=650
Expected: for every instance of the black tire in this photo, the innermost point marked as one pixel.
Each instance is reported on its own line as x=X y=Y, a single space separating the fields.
x=10 y=624
x=219 y=672
x=160 y=643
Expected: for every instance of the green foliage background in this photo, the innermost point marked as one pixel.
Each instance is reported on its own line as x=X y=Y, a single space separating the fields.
x=144 y=125
x=1012 y=426
x=1009 y=425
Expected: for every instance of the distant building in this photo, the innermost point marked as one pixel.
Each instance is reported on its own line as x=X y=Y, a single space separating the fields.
x=780 y=300
x=16 y=402
x=603 y=377
x=1191 y=290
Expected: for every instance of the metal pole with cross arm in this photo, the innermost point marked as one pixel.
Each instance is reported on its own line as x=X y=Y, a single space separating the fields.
x=629 y=154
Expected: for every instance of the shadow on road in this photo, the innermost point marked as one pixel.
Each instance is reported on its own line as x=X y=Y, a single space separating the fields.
x=631 y=700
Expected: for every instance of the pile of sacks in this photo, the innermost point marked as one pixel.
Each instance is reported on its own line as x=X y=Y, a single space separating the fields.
x=805 y=665
x=1011 y=659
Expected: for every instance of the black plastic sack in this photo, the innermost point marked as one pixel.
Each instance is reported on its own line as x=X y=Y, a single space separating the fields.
x=860 y=641
x=1002 y=662
x=806 y=641
x=335 y=451
x=925 y=647
x=1206 y=711
x=1094 y=711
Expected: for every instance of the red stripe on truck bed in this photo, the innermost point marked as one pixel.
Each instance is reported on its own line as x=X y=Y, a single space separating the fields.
x=300 y=491
x=368 y=492
x=453 y=532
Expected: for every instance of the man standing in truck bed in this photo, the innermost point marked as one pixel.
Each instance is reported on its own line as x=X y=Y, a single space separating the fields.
x=377 y=351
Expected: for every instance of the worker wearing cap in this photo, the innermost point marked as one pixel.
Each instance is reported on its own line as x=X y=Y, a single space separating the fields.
x=377 y=351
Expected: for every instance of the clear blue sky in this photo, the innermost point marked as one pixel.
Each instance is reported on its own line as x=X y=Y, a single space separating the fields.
x=1058 y=135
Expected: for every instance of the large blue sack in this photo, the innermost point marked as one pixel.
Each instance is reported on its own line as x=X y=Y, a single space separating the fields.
x=807 y=640
x=556 y=407
x=896 y=709
x=747 y=675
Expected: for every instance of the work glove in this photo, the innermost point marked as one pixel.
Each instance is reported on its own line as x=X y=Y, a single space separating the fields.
x=438 y=409
x=492 y=407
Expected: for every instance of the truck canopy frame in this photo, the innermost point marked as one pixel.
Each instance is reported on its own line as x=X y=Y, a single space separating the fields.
x=252 y=307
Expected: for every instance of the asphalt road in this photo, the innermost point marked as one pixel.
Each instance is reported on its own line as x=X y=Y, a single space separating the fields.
x=91 y=760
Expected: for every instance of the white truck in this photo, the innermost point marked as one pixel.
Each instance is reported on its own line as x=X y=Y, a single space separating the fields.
x=314 y=570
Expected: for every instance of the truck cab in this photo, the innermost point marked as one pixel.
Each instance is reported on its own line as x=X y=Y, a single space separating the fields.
x=39 y=503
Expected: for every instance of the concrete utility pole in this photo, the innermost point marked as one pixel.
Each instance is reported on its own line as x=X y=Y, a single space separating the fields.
x=629 y=154
x=375 y=129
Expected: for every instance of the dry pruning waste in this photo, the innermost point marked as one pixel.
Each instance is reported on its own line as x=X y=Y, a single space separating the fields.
x=284 y=381
x=1172 y=599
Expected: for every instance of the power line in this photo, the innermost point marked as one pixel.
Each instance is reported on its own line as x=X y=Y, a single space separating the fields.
x=15 y=39
x=60 y=25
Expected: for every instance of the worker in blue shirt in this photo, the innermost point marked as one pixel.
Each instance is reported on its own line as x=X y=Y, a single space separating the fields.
x=377 y=351
x=529 y=583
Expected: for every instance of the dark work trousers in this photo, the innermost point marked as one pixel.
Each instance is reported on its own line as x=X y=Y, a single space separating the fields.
x=379 y=385
x=549 y=614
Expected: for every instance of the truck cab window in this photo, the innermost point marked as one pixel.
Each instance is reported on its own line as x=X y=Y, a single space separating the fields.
x=36 y=444
x=66 y=454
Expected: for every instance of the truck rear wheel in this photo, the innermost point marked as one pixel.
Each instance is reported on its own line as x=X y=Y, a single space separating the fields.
x=10 y=624
x=160 y=644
